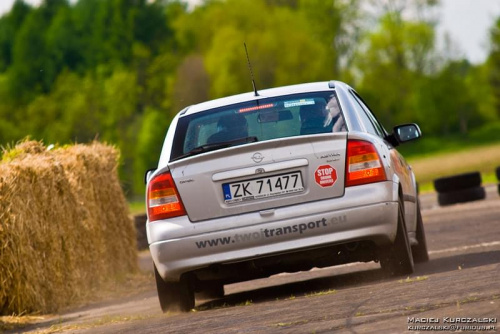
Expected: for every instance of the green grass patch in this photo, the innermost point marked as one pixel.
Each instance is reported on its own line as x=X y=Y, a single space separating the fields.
x=430 y=145
x=484 y=159
x=428 y=186
x=414 y=279
x=137 y=207
x=321 y=293
x=289 y=324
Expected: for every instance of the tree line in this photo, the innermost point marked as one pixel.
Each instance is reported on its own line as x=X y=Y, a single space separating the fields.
x=119 y=70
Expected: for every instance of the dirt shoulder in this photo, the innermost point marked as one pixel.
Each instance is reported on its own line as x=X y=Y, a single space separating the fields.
x=460 y=281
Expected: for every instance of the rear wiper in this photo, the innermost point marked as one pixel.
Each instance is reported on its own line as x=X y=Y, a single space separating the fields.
x=217 y=146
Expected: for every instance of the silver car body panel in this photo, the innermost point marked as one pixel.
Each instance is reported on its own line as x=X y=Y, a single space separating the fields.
x=199 y=179
x=364 y=212
x=215 y=232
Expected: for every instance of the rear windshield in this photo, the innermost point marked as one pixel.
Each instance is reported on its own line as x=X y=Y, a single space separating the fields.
x=265 y=119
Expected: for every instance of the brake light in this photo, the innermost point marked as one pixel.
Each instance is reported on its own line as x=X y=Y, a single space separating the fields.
x=163 y=200
x=363 y=164
x=264 y=106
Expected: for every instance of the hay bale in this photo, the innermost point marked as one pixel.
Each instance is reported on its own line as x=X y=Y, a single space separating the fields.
x=65 y=227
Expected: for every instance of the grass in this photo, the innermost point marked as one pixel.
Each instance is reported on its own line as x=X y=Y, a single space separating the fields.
x=137 y=207
x=321 y=293
x=289 y=324
x=431 y=144
x=484 y=159
x=432 y=157
x=412 y=280
x=211 y=306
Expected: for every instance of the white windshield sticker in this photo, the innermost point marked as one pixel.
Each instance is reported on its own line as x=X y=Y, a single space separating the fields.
x=298 y=103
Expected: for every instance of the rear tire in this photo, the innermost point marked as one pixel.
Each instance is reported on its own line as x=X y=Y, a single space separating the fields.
x=397 y=259
x=174 y=296
x=420 y=253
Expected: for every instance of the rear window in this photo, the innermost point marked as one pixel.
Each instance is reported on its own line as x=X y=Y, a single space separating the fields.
x=265 y=119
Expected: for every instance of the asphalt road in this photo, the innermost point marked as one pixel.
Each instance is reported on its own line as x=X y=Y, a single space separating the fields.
x=461 y=280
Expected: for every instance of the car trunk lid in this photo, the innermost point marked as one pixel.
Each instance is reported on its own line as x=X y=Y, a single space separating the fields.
x=261 y=176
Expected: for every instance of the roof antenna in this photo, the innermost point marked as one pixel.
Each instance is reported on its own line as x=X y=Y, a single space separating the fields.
x=251 y=72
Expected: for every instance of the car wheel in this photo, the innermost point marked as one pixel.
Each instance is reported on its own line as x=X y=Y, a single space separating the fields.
x=461 y=196
x=497 y=171
x=174 y=296
x=420 y=253
x=457 y=182
x=397 y=259
x=211 y=291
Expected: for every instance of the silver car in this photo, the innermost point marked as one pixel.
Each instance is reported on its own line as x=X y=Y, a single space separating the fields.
x=279 y=180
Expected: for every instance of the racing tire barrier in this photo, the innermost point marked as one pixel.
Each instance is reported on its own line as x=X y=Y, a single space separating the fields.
x=461 y=196
x=140 y=228
x=459 y=188
x=457 y=182
x=497 y=172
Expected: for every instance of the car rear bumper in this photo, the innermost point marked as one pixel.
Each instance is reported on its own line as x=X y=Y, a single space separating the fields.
x=367 y=212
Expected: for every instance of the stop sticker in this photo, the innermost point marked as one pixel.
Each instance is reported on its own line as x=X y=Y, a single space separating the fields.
x=325 y=176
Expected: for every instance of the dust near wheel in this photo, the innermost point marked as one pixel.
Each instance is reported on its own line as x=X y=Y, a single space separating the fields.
x=174 y=296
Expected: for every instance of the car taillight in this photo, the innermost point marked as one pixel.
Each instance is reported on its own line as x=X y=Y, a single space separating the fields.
x=163 y=200
x=363 y=164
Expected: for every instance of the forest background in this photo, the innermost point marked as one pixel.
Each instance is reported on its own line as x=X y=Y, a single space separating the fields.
x=119 y=70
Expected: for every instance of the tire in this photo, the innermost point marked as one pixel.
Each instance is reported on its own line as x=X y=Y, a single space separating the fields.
x=461 y=196
x=457 y=182
x=140 y=228
x=497 y=171
x=174 y=296
x=397 y=259
x=420 y=253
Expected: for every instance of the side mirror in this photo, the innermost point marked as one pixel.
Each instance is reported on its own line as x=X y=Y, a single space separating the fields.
x=407 y=132
x=147 y=175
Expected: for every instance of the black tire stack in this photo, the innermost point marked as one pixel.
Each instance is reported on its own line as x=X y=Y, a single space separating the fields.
x=140 y=228
x=460 y=188
x=497 y=171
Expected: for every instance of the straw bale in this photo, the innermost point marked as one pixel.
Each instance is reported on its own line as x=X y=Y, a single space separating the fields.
x=65 y=227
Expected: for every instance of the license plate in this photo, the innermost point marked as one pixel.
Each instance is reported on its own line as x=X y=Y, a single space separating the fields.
x=263 y=187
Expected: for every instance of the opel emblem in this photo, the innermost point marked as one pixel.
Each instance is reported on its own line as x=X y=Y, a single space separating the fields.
x=257 y=157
